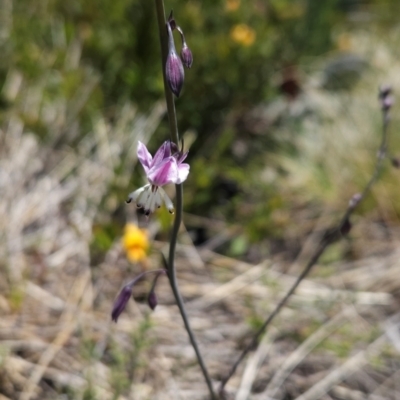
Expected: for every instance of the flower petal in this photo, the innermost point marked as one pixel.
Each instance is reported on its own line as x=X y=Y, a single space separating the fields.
x=183 y=172
x=164 y=173
x=144 y=156
x=162 y=153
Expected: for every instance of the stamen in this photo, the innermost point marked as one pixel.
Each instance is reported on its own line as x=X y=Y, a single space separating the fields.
x=158 y=201
x=143 y=198
x=136 y=194
x=149 y=201
x=167 y=201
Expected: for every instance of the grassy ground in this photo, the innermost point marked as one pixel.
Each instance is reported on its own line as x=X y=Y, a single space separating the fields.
x=338 y=338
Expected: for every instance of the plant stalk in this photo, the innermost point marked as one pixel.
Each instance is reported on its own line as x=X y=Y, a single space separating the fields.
x=331 y=236
x=169 y=97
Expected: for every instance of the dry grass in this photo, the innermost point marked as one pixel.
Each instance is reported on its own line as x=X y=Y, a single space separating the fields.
x=336 y=339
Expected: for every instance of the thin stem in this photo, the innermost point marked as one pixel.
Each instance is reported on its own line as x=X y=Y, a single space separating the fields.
x=330 y=236
x=179 y=198
x=175 y=289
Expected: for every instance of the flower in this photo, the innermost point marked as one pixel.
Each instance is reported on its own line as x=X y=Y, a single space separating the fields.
x=243 y=35
x=135 y=242
x=165 y=167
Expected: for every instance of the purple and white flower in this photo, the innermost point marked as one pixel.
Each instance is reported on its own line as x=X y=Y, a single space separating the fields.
x=165 y=167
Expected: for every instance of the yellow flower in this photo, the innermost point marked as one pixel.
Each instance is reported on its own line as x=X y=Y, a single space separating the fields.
x=232 y=5
x=243 y=35
x=135 y=242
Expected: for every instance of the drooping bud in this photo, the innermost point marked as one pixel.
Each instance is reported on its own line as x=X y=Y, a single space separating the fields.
x=385 y=97
x=396 y=162
x=387 y=103
x=174 y=72
x=152 y=300
x=384 y=91
x=121 y=302
x=346 y=227
x=186 y=55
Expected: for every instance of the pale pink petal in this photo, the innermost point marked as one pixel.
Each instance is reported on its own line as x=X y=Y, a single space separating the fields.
x=183 y=172
x=164 y=173
x=144 y=156
x=162 y=153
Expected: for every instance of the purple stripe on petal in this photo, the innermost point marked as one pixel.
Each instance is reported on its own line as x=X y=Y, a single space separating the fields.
x=162 y=153
x=164 y=173
x=144 y=156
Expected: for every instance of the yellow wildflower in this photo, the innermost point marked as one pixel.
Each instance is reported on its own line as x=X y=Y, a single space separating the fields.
x=135 y=242
x=243 y=35
x=232 y=5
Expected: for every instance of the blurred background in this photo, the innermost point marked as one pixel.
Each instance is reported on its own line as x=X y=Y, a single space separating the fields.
x=280 y=113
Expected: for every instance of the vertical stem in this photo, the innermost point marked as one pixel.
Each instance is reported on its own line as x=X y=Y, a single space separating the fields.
x=179 y=197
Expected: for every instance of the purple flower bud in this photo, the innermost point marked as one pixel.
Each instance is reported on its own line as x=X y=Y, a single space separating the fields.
x=152 y=300
x=387 y=103
x=396 y=162
x=174 y=72
x=346 y=227
x=385 y=91
x=186 y=56
x=121 y=302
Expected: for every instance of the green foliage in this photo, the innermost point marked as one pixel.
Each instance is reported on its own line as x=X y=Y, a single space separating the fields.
x=90 y=57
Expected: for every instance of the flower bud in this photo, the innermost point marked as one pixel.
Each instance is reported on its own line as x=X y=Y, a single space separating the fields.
x=385 y=91
x=152 y=300
x=186 y=56
x=387 y=103
x=346 y=227
x=121 y=302
x=174 y=72
x=396 y=162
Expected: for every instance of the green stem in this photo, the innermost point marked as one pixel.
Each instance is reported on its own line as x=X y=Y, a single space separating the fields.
x=179 y=197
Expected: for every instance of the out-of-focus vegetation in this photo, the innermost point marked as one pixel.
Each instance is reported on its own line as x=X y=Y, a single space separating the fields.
x=246 y=101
